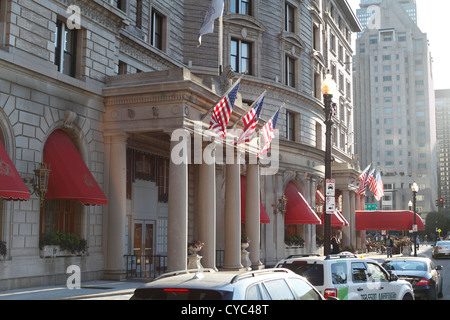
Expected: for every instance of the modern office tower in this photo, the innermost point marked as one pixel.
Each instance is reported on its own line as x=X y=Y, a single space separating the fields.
x=365 y=14
x=443 y=140
x=395 y=115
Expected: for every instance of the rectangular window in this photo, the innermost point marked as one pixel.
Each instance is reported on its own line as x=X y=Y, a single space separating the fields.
x=241 y=7
x=290 y=71
x=290 y=126
x=65 y=49
x=156 y=36
x=241 y=56
x=289 y=18
x=57 y=216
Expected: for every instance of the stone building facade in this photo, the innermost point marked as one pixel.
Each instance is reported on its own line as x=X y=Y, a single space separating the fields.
x=126 y=82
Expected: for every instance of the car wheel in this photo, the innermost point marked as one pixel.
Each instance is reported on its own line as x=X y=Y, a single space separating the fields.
x=407 y=297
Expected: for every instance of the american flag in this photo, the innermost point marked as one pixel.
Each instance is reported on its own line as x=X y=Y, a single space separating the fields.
x=250 y=121
x=222 y=112
x=376 y=185
x=364 y=180
x=268 y=132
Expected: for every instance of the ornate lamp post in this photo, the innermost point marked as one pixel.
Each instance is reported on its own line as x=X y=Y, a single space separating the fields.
x=414 y=189
x=328 y=90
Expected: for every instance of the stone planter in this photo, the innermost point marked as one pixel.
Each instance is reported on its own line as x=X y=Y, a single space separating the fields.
x=52 y=251
x=406 y=251
x=294 y=250
x=245 y=259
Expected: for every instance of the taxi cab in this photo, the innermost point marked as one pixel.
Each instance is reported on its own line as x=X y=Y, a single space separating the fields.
x=348 y=277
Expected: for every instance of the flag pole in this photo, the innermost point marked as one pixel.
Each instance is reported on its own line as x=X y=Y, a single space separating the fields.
x=228 y=91
x=220 y=44
x=251 y=107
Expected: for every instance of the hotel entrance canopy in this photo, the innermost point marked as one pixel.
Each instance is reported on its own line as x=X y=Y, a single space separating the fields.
x=396 y=220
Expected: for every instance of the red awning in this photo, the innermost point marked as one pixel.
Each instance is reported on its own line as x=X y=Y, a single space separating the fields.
x=337 y=220
x=298 y=211
x=341 y=217
x=69 y=177
x=263 y=216
x=12 y=186
x=387 y=220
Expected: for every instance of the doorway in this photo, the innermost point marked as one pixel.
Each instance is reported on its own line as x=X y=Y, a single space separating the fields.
x=143 y=245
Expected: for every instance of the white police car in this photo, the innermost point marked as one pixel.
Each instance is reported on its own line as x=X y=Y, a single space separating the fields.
x=348 y=277
x=207 y=284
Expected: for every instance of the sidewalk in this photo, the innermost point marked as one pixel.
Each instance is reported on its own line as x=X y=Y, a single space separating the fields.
x=423 y=251
x=100 y=289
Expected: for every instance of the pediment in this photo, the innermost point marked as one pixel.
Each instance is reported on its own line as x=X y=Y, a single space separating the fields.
x=244 y=21
x=293 y=38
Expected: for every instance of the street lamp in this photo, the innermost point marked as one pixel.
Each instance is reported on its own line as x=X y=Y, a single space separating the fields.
x=328 y=90
x=414 y=189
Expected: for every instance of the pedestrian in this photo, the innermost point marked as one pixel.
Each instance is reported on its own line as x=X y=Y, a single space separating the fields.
x=389 y=244
x=335 y=244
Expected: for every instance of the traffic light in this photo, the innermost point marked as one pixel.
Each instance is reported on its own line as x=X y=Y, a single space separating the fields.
x=441 y=202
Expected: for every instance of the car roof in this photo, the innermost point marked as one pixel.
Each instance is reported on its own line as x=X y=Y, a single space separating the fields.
x=208 y=278
x=424 y=259
x=331 y=257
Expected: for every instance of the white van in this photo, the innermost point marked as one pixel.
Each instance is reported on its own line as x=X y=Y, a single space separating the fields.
x=348 y=277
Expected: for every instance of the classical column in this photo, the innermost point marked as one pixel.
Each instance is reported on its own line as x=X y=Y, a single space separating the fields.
x=346 y=231
x=115 y=267
x=233 y=218
x=351 y=222
x=207 y=213
x=252 y=214
x=177 y=228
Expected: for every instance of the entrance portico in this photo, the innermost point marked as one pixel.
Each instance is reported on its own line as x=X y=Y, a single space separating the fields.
x=157 y=114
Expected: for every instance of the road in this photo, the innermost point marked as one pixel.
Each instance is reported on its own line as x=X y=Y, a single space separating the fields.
x=446 y=275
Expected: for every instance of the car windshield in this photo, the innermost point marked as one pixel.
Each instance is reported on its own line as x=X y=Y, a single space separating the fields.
x=312 y=272
x=443 y=243
x=180 y=294
x=401 y=265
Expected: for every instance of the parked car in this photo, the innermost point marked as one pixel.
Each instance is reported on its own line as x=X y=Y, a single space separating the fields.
x=422 y=273
x=441 y=249
x=348 y=277
x=207 y=284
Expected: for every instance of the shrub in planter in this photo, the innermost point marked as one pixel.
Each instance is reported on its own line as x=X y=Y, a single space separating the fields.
x=66 y=241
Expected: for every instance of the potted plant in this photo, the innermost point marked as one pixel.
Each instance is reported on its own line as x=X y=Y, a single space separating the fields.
x=3 y=250
x=54 y=244
x=245 y=242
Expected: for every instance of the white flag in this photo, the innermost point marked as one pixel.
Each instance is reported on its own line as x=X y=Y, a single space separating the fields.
x=215 y=10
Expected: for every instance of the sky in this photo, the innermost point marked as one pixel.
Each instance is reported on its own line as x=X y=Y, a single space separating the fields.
x=434 y=20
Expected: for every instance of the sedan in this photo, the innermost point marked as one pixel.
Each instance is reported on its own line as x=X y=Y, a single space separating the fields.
x=422 y=273
x=441 y=249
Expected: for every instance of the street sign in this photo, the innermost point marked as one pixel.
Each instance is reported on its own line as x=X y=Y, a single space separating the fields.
x=371 y=207
x=415 y=228
x=330 y=205
x=330 y=187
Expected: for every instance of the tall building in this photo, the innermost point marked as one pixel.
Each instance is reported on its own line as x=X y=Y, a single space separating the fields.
x=368 y=8
x=395 y=118
x=443 y=140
